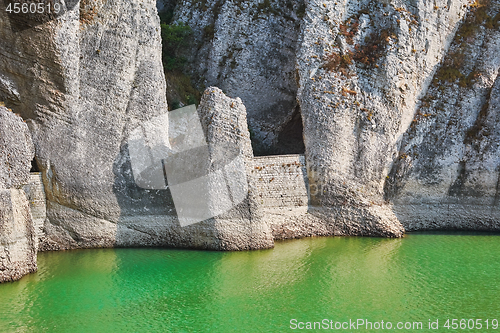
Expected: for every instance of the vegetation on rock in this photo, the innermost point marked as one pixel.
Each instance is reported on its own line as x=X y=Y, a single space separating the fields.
x=175 y=40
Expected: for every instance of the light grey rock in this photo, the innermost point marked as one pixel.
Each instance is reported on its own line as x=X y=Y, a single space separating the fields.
x=354 y=114
x=16 y=152
x=17 y=235
x=355 y=111
x=225 y=123
x=85 y=80
x=447 y=174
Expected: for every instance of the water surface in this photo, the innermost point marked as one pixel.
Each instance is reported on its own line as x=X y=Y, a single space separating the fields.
x=420 y=277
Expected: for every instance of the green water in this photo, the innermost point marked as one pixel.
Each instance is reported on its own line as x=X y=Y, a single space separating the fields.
x=420 y=277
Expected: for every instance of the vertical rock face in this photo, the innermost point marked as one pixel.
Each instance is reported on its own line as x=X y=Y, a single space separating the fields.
x=447 y=174
x=362 y=66
x=225 y=123
x=17 y=150
x=17 y=234
x=85 y=80
x=247 y=48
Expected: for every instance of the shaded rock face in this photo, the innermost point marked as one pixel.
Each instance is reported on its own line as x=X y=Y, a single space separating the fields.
x=17 y=234
x=247 y=49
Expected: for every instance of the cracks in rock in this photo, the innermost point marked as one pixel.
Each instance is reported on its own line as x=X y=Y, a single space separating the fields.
x=496 y=200
x=137 y=230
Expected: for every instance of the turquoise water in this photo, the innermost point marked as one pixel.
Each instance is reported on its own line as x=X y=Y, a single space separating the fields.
x=416 y=279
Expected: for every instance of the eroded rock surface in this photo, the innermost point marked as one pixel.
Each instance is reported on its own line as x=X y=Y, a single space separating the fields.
x=88 y=78
x=17 y=233
x=447 y=172
x=224 y=119
x=362 y=66
x=381 y=147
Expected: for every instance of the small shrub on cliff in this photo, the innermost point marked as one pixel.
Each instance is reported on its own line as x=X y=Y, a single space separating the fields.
x=366 y=54
x=349 y=30
x=175 y=43
x=478 y=16
x=301 y=11
x=338 y=63
x=174 y=36
x=209 y=31
x=370 y=52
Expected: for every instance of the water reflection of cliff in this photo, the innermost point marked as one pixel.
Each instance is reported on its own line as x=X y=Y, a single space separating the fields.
x=322 y=277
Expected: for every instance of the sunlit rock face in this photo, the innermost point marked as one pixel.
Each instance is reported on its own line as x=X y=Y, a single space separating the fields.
x=17 y=233
x=447 y=174
x=83 y=81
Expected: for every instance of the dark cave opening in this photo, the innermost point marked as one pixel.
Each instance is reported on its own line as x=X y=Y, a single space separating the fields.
x=34 y=166
x=290 y=139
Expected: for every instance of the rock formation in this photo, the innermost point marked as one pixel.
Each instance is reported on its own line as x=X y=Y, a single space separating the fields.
x=363 y=70
x=225 y=123
x=394 y=102
x=86 y=79
x=17 y=234
x=447 y=173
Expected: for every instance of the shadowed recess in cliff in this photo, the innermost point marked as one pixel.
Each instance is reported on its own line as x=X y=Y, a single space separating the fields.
x=247 y=49
x=291 y=136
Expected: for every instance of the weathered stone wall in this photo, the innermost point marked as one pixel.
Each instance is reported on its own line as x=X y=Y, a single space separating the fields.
x=280 y=181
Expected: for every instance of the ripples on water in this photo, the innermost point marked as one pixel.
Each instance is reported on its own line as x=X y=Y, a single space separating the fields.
x=420 y=277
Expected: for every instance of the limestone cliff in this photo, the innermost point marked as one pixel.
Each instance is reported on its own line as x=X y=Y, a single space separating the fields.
x=447 y=172
x=83 y=81
x=393 y=102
